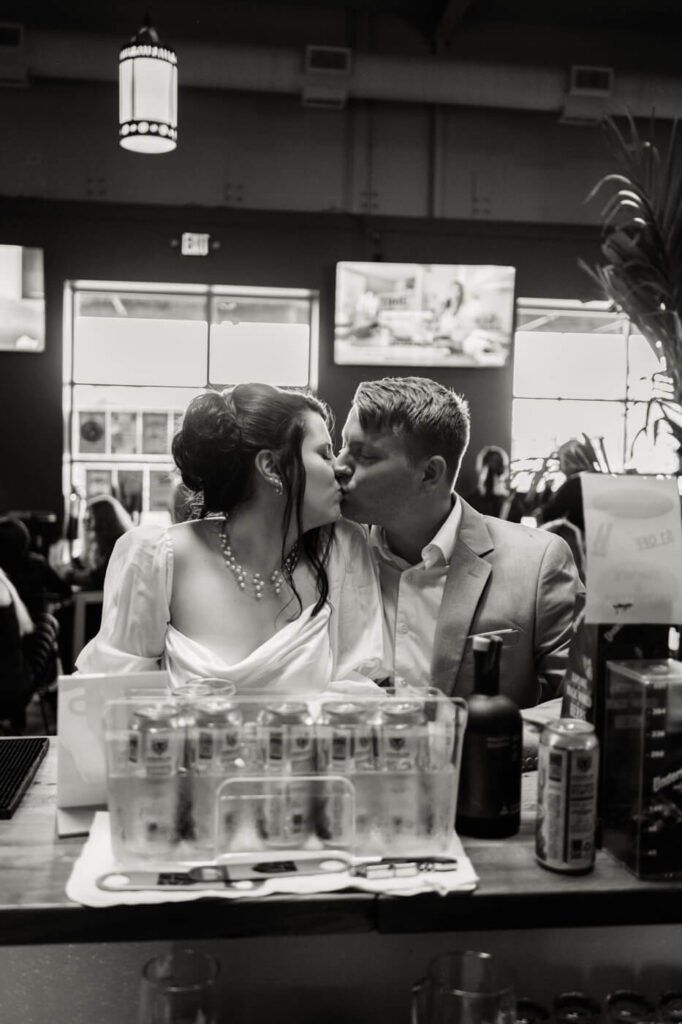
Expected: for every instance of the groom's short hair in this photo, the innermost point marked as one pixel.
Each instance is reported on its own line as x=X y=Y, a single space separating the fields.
x=430 y=419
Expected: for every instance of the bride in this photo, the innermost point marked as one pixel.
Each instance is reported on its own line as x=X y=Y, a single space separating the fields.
x=265 y=586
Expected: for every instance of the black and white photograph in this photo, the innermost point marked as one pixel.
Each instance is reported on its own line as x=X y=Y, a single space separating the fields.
x=341 y=512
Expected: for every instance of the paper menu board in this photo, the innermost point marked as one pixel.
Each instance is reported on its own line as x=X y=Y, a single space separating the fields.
x=633 y=535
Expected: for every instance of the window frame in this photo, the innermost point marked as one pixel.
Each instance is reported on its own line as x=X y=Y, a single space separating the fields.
x=72 y=458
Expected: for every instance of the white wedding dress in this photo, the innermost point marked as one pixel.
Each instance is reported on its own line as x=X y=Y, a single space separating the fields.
x=344 y=641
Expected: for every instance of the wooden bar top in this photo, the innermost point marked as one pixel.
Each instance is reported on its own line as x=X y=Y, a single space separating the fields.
x=514 y=892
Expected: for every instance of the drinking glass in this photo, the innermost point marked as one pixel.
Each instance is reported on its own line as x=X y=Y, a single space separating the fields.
x=179 y=988
x=670 y=1006
x=206 y=686
x=464 y=987
x=200 y=689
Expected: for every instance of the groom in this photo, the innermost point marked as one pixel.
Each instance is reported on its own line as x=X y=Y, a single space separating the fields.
x=448 y=573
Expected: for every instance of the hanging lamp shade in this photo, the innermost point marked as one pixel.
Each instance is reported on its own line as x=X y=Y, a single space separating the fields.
x=147 y=94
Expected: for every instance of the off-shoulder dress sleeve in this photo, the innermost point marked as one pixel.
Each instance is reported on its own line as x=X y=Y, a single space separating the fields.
x=136 y=605
x=356 y=620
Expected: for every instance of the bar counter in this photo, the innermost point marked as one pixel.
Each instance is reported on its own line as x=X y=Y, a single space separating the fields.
x=514 y=892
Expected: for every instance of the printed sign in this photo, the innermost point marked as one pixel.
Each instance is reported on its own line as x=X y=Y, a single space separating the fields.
x=193 y=244
x=633 y=535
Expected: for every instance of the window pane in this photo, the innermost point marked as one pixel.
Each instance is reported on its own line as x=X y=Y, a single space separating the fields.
x=271 y=353
x=259 y=309
x=643 y=364
x=138 y=351
x=140 y=305
x=139 y=354
x=539 y=426
x=557 y=365
x=87 y=396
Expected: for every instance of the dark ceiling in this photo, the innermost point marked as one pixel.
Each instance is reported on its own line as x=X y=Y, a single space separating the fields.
x=630 y=35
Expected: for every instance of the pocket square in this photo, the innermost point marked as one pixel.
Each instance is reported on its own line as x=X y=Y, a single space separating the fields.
x=509 y=637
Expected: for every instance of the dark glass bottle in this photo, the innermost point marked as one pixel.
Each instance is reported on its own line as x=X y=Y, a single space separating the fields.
x=489 y=801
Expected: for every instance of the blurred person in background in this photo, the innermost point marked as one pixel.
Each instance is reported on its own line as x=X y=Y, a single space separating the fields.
x=15 y=675
x=105 y=520
x=28 y=570
x=38 y=585
x=180 y=504
x=492 y=496
x=575 y=457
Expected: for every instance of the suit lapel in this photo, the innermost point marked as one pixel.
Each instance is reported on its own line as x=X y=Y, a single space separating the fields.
x=464 y=586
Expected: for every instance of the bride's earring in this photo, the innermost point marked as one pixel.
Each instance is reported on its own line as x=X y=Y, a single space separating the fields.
x=277 y=484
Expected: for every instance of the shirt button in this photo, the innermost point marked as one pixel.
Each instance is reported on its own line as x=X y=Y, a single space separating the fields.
x=403 y=627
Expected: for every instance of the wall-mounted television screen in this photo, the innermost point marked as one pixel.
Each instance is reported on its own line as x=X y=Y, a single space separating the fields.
x=423 y=314
x=22 y=299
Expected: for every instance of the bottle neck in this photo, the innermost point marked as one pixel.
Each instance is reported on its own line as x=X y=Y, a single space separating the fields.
x=487 y=668
x=486 y=682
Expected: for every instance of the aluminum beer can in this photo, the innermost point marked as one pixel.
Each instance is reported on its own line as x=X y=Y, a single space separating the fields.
x=402 y=741
x=218 y=727
x=287 y=748
x=568 y=765
x=155 y=741
x=216 y=751
x=155 y=756
x=345 y=739
x=345 y=746
x=286 y=738
x=402 y=754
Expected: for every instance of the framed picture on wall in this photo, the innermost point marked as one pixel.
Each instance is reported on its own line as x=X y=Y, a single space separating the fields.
x=416 y=314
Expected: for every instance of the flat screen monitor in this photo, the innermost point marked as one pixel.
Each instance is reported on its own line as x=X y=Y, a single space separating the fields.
x=22 y=299
x=423 y=314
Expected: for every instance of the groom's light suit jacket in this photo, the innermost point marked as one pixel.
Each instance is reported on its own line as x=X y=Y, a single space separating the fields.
x=503 y=576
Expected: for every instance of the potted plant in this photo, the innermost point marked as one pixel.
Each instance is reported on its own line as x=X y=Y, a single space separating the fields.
x=641 y=247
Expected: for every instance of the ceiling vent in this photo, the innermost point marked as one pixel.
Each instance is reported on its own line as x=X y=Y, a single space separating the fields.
x=333 y=60
x=13 y=63
x=326 y=77
x=587 y=98
x=587 y=81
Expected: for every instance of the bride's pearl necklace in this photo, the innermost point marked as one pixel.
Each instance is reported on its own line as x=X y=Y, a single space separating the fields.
x=254 y=583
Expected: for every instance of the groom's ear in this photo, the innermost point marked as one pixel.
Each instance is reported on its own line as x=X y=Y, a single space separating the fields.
x=434 y=473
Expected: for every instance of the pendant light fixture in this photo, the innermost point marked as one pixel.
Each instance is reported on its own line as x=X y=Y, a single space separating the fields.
x=147 y=94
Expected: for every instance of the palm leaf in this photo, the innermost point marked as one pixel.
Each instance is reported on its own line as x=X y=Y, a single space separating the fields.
x=641 y=238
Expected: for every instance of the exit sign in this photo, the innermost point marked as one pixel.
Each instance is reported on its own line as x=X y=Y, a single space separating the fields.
x=193 y=244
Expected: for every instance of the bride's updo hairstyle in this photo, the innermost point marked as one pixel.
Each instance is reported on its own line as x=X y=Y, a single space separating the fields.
x=216 y=447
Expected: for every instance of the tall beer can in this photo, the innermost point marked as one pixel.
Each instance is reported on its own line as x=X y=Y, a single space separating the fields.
x=402 y=741
x=345 y=747
x=155 y=756
x=568 y=764
x=216 y=750
x=287 y=749
x=402 y=752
